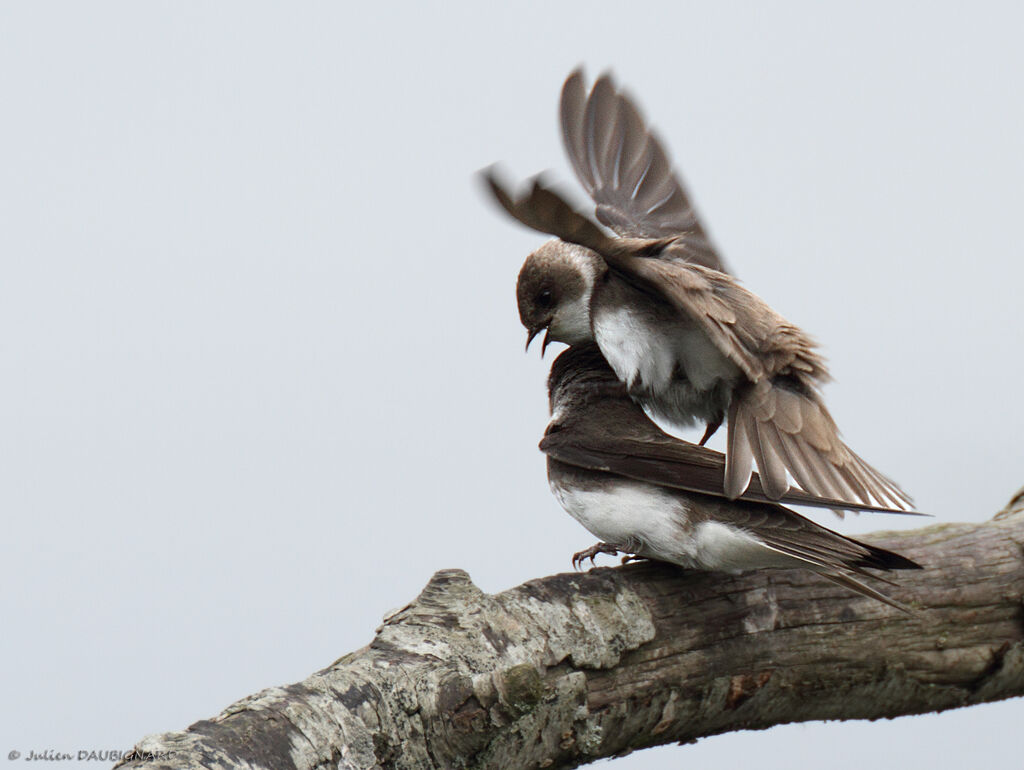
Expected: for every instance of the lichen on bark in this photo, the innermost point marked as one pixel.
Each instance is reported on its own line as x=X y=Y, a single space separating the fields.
x=566 y=669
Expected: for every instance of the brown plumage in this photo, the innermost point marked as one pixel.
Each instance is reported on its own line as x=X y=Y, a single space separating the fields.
x=610 y=432
x=644 y=492
x=627 y=172
x=688 y=340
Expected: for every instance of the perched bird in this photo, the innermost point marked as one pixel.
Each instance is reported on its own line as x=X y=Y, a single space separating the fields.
x=646 y=493
x=690 y=343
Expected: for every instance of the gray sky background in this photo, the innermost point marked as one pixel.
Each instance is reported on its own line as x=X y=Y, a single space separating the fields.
x=261 y=372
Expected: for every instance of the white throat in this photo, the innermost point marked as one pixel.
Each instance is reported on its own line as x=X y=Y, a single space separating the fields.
x=571 y=323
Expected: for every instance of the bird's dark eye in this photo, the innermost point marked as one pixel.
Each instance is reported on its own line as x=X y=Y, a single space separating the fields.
x=544 y=298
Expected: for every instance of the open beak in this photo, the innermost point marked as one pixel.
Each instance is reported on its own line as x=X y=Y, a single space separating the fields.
x=531 y=333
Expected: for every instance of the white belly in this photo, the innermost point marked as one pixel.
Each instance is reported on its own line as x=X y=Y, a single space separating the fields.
x=670 y=365
x=631 y=514
x=650 y=521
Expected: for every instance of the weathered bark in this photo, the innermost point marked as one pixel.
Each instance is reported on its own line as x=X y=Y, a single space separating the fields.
x=564 y=670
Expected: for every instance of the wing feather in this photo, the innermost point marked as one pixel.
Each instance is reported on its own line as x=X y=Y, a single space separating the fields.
x=644 y=452
x=773 y=355
x=848 y=581
x=831 y=555
x=739 y=456
x=626 y=171
x=769 y=464
x=809 y=447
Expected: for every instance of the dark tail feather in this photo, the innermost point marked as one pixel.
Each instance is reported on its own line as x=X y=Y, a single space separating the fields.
x=879 y=558
x=855 y=585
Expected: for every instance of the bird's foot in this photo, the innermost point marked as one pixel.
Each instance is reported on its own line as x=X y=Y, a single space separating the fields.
x=589 y=553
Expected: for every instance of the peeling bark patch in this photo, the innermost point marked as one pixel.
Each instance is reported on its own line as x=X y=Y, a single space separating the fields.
x=356 y=695
x=668 y=714
x=743 y=687
x=391 y=653
x=255 y=739
x=551 y=589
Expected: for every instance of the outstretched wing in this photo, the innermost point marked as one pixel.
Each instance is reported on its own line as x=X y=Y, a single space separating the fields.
x=546 y=211
x=779 y=420
x=624 y=168
x=739 y=323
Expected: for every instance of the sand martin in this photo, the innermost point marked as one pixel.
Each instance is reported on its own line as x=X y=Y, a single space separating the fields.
x=688 y=340
x=646 y=493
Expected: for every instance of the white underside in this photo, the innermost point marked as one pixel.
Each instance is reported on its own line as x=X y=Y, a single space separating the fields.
x=647 y=353
x=571 y=321
x=650 y=521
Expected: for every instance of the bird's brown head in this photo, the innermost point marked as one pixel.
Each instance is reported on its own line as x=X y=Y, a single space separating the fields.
x=553 y=292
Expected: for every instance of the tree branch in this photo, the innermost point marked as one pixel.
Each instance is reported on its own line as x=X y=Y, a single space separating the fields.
x=563 y=670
